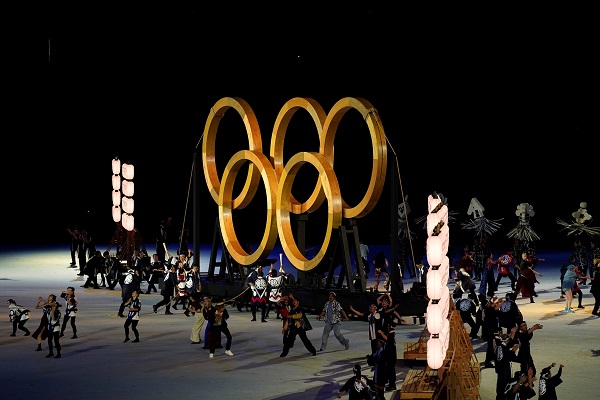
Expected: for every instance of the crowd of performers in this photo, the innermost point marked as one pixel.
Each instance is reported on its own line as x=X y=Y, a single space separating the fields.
x=508 y=345
x=518 y=266
x=501 y=321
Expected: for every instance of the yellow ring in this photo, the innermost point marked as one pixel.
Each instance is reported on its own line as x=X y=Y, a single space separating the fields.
x=331 y=190
x=226 y=206
x=378 y=172
x=208 y=148
x=276 y=152
x=278 y=179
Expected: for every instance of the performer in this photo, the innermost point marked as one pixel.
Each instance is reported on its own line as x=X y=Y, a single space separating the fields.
x=464 y=284
x=209 y=311
x=18 y=315
x=524 y=335
x=505 y=263
x=358 y=387
x=195 y=307
x=391 y=354
x=75 y=240
x=170 y=280
x=520 y=387
x=297 y=324
x=333 y=313
x=487 y=277
x=466 y=261
x=527 y=280
x=375 y=320
x=380 y=263
x=258 y=285
x=218 y=325
x=54 y=315
x=275 y=284
x=283 y=308
x=378 y=361
x=133 y=316
x=41 y=333
x=468 y=313
x=364 y=255
x=70 y=311
x=193 y=286
x=548 y=382
x=505 y=350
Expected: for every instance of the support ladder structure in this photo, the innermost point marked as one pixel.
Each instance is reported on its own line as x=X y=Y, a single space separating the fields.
x=460 y=374
x=126 y=242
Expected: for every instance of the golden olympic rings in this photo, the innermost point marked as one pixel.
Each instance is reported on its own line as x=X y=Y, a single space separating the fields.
x=278 y=177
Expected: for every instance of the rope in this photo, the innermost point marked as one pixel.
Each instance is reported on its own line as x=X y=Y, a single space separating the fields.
x=412 y=253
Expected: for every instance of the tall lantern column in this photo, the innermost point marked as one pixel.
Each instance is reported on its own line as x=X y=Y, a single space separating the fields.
x=437 y=279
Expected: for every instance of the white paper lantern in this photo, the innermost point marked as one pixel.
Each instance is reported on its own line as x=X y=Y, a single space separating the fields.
x=116 y=197
x=434 y=317
x=434 y=284
x=435 y=357
x=116 y=213
x=116 y=166
x=127 y=171
x=434 y=250
x=128 y=222
x=128 y=188
x=128 y=205
x=116 y=182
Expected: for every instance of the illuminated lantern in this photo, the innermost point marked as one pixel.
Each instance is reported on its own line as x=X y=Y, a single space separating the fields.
x=128 y=205
x=128 y=188
x=434 y=317
x=116 y=166
x=434 y=250
x=127 y=171
x=435 y=356
x=434 y=283
x=116 y=197
x=116 y=182
x=116 y=213
x=128 y=222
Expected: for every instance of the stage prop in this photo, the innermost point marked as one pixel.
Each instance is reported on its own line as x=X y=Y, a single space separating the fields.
x=286 y=217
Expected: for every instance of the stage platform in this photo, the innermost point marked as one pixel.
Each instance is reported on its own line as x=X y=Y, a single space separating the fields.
x=164 y=363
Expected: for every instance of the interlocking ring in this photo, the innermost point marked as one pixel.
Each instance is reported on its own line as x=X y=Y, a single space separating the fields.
x=278 y=177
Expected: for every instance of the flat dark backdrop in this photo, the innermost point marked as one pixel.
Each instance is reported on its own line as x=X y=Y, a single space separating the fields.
x=498 y=106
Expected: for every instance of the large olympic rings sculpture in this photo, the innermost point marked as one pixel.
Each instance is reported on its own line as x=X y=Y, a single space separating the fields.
x=278 y=177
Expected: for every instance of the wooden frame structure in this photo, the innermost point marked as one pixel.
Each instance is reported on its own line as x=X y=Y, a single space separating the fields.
x=460 y=374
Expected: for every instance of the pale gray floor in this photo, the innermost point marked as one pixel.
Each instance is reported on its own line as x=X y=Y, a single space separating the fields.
x=164 y=364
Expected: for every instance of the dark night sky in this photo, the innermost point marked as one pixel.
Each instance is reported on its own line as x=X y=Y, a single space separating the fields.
x=502 y=109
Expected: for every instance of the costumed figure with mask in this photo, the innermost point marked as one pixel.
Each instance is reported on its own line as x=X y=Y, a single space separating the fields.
x=258 y=284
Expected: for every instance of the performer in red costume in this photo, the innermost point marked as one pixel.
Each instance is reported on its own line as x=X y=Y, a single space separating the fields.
x=505 y=264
